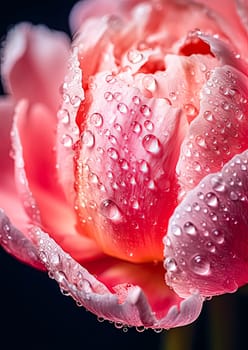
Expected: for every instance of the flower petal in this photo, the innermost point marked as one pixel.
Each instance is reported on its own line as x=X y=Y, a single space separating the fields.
x=31 y=56
x=219 y=131
x=125 y=168
x=242 y=9
x=207 y=243
x=133 y=308
x=36 y=180
x=17 y=244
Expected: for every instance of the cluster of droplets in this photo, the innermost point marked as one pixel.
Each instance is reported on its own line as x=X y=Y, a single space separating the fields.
x=199 y=242
x=223 y=120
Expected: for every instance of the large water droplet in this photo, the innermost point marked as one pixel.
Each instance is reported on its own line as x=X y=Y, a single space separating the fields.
x=170 y=265
x=110 y=210
x=211 y=200
x=218 y=183
x=122 y=108
x=134 y=56
x=151 y=144
x=88 y=138
x=200 y=265
x=190 y=228
x=96 y=119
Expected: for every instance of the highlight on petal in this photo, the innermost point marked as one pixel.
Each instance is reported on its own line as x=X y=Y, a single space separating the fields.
x=206 y=247
x=219 y=131
x=132 y=309
x=31 y=56
x=17 y=244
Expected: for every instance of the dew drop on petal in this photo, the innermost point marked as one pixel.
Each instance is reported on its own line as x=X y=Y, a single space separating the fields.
x=211 y=200
x=136 y=127
x=96 y=119
x=218 y=183
x=134 y=56
x=200 y=265
x=122 y=108
x=170 y=264
x=110 y=210
x=88 y=138
x=145 y=110
x=218 y=236
x=176 y=230
x=190 y=228
x=66 y=141
x=151 y=144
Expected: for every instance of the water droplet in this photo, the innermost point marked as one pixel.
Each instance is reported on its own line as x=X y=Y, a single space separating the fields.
x=113 y=154
x=218 y=236
x=148 y=125
x=140 y=329
x=136 y=127
x=64 y=116
x=88 y=138
x=190 y=228
x=108 y=96
x=200 y=265
x=110 y=210
x=144 y=166
x=211 y=200
x=170 y=265
x=110 y=79
x=124 y=164
x=210 y=247
x=66 y=141
x=208 y=115
x=176 y=230
x=201 y=141
x=234 y=196
x=145 y=110
x=75 y=101
x=191 y=111
x=136 y=100
x=218 y=184
x=122 y=108
x=151 y=144
x=134 y=56
x=149 y=83
x=96 y=119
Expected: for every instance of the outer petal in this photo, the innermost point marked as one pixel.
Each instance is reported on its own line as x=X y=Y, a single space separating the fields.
x=17 y=244
x=207 y=243
x=220 y=130
x=132 y=309
x=31 y=56
x=242 y=8
x=37 y=183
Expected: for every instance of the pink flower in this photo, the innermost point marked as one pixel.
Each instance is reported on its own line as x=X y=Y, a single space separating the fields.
x=124 y=158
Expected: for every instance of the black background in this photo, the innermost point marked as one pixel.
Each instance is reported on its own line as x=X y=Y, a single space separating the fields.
x=34 y=314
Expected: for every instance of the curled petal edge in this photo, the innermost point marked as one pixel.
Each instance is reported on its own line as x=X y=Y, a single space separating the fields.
x=87 y=291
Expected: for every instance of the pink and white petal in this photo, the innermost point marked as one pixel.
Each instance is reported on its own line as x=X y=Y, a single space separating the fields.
x=206 y=247
x=17 y=244
x=132 y=309
x=219 y=131
x=34 y=63
x=7 y=107
x=242 y=9
x=224 y=52
x=227 y=19
x=67 y=129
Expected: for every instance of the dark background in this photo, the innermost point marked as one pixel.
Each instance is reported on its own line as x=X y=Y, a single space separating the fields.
x=34 y=313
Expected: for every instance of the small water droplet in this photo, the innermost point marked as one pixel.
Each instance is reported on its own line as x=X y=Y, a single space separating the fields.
x=134 y=56
x=218 y=184
x=151 y=144
x=211 y=200
x=75 y=101
x=218 y=236
x=136 y=127
x=144 y=166
x=136 y=100
x=66 y=141
x=110 y=210
x=170 y=264
x=122 y=108
x=145 y=110
x=88 y=138
x=148 y=125
x=149 y=83
x=113 y=154
x=200 y=265
x=208 y=115
x=176 y=230
x=64 y=116
x=234 y=196
x=108 y=96
x=190 y=228
x=96 y=119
